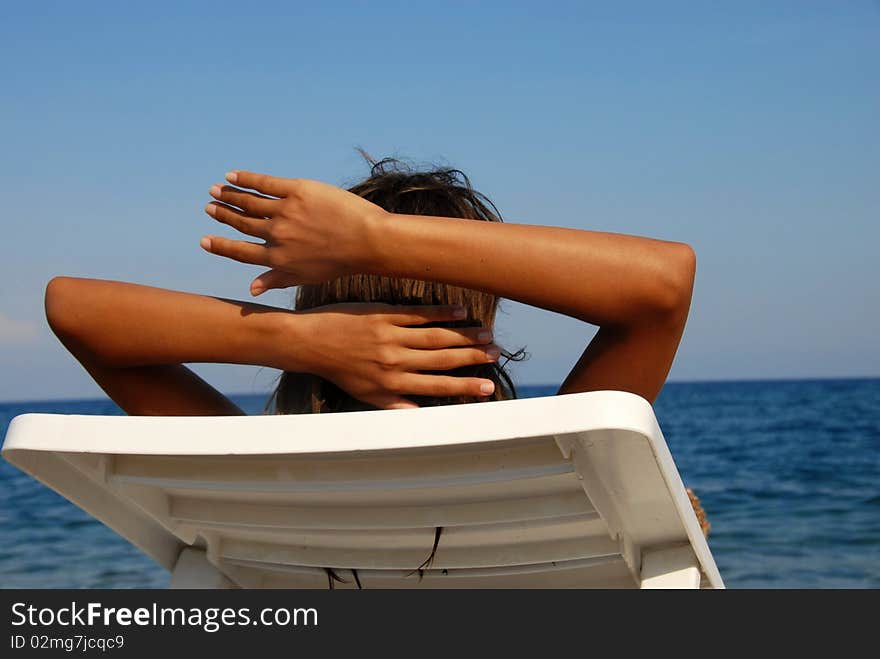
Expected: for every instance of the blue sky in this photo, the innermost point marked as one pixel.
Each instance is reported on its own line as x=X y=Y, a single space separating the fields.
x=747 y=129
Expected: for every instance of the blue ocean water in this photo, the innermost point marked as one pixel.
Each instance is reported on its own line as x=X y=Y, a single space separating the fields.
x=788 y=472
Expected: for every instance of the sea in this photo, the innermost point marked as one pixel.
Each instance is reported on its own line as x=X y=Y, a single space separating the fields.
x=787 y=471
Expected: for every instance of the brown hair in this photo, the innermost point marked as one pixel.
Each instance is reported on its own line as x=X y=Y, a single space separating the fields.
x=398 y=188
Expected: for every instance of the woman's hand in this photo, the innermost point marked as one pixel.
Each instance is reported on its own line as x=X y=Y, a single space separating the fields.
x=313 y=231
x=373 y=352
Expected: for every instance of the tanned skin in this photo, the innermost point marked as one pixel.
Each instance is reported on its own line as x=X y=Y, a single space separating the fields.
x=135 y=339
x=637 y=290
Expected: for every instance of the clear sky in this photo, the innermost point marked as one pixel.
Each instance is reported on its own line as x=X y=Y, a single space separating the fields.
x=747 y=129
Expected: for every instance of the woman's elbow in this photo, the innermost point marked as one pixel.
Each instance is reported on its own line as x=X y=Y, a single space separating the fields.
x=60 y=293
x=673 y=298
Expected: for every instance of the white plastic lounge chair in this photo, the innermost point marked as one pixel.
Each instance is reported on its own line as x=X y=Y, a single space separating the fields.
x=566 y=491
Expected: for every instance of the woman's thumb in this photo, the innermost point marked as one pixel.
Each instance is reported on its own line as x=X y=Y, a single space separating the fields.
x=271 y=279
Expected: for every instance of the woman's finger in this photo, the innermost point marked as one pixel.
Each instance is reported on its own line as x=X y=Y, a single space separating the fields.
x=420 y=314
x=449 y=358
x=270 y=185
x=239 y=221
x=392 y=402
x=442 y=386
x=237 y=250
x=250 y=203
x=442 y=337
x=272 y=279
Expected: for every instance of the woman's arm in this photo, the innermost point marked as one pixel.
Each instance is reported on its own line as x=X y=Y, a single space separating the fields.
x=134 y=339
x=637 y=290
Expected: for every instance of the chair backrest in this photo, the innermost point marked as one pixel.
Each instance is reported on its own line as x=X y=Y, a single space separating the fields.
x=565 y=491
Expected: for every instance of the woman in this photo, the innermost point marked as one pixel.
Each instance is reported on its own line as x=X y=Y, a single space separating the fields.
x=399 y=282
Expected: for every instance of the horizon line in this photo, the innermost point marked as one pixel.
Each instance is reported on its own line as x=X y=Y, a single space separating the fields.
x=62 y=399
